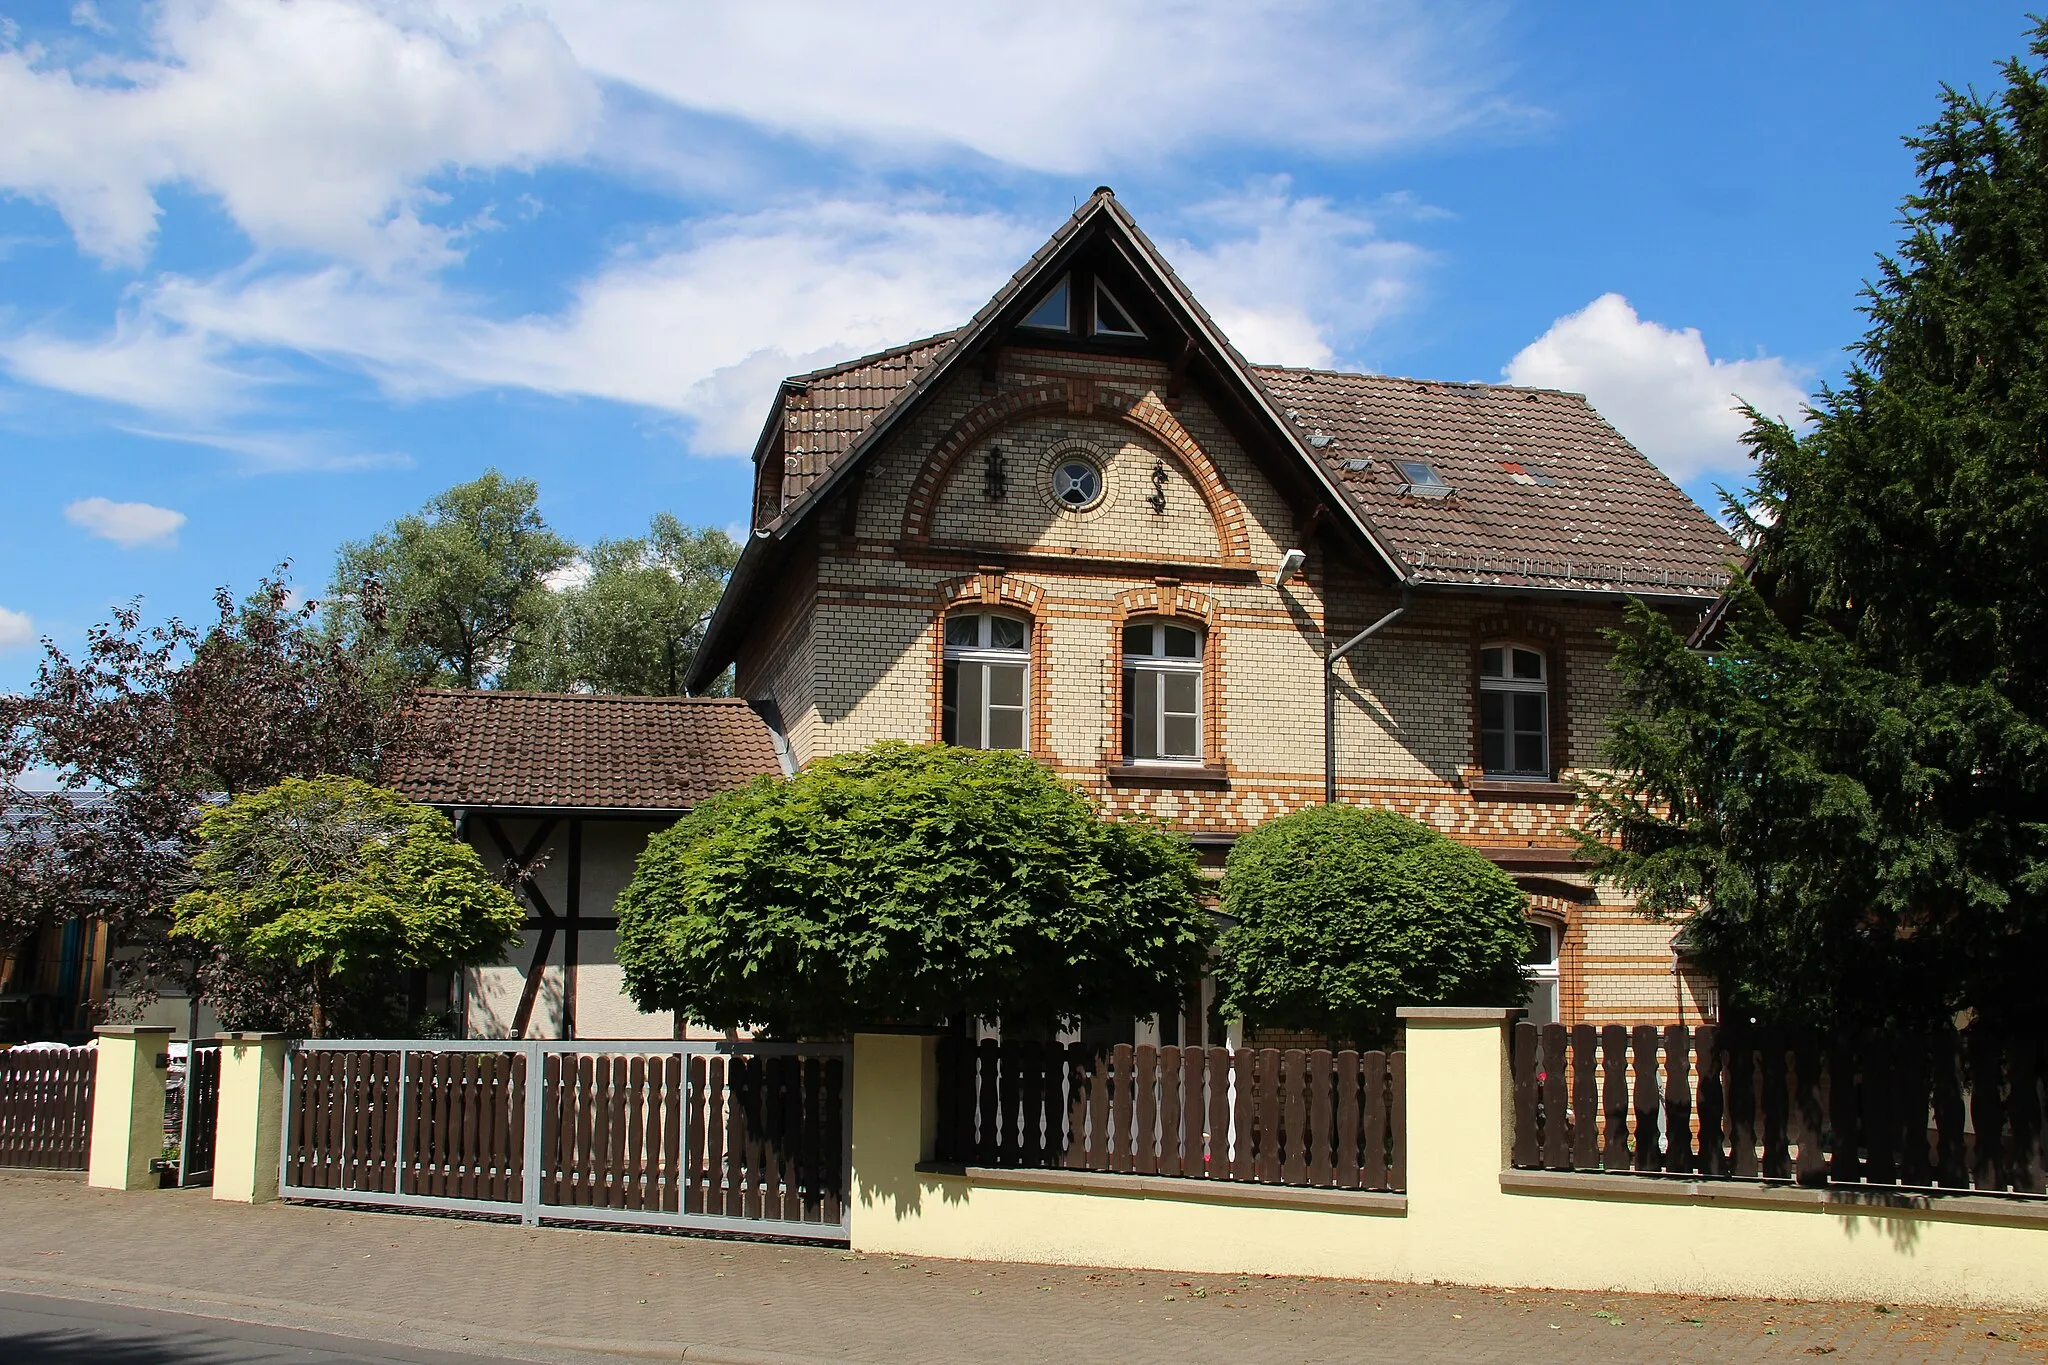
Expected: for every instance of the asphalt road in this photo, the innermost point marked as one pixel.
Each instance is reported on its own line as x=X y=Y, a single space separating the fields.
x=44 y=1331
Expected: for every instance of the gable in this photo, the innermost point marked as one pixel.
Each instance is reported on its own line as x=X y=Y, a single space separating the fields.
x=1611 y=523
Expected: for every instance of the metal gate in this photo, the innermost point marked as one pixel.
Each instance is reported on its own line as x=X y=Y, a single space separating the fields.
x=198 y=1113
x=707 y=1135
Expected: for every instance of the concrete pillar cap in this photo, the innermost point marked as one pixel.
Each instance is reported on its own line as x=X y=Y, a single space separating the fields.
x=1458 y=1014
x=249 y=1036
x=133 y=1030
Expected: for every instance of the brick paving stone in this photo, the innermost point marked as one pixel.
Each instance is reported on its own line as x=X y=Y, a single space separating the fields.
x=559 y=1294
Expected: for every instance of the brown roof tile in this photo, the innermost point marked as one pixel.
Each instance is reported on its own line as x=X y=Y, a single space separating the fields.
x=584 y=752
x=1544 y=492
x=835 y=405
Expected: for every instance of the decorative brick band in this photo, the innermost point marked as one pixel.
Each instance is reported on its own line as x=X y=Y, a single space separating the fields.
x=1086 y=397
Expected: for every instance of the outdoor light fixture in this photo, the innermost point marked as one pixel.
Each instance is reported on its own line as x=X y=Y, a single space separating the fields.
x=1290 y=565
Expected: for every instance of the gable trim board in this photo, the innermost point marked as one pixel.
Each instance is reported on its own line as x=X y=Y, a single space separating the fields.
x=1310 y=415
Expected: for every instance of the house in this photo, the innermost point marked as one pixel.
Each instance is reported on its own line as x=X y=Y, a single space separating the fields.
x=565 y=790
x=1083 y=525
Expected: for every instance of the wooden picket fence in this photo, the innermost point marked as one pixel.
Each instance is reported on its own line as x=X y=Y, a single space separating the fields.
x=1302 y=1117
x=1943 y=1111
x=46 y=1108
x=699 y=1135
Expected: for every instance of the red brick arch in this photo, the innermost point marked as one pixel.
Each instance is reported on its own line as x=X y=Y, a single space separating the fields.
x=1080 y=397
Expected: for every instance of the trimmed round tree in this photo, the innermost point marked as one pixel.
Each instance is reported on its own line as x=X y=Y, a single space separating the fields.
x=910 y=885
x=1344 y=914
x=343 y=882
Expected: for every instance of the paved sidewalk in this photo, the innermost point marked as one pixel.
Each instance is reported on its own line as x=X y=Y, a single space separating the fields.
x=561 y=1295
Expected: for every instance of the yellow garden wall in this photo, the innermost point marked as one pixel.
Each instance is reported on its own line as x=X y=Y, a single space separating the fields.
x=1466 y=1218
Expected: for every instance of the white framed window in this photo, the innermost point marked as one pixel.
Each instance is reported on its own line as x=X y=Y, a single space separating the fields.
x=987 y=681
x=1543 y=958
x=1162 y=693
x=1514 y=712
x=1053 y=313
x=1111 y=318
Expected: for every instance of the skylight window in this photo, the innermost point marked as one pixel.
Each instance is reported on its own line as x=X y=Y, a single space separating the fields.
x=1052 y=312
x=1110 y=318
x=1420 y=480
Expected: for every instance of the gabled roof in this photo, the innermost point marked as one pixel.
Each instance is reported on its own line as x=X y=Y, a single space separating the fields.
x=1544 y=493
x=1608 y=521
x=570 y=751
x=826 y=411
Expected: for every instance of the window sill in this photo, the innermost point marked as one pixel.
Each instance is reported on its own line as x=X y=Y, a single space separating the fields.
x=1167 y=775
x=1508 y=789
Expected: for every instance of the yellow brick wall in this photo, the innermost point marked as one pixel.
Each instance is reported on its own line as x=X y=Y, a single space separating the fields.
x=850 y=648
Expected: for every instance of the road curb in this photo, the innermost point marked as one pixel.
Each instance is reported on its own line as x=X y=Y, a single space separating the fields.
x=455 y=1337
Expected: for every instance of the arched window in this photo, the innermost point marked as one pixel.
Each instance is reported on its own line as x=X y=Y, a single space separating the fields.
x=988 y=662
x=1514 y=712
x=1162 y=693
x=1543 y=959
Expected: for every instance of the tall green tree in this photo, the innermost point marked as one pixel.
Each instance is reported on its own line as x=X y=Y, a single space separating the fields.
x=343 y=882
x=634 y=624
x=464 y=580
x=1851 y=788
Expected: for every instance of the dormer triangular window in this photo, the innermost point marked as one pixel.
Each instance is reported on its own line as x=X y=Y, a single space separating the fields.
x=1110 y=318
x=1053 y=311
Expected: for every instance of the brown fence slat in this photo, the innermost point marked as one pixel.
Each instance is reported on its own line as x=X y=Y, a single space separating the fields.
x=1266 y=1119
x=1741 y=1051
x=1216 y=1166
x=1774 y=1085
x=1916 y=1132
x=1845 y=1166
x=1397 y=1120
x=1557 y=1152
x=1169 y=1110
x=1193 y=1069
x=1528 y=1146
x=1945 y=1065
x=1349 y=1102
x=1585 y=1068
x=1614 y=1096
x=1649 y=1156
x=1372 y=1080
x=1145 y=1119
x=1244 y=1107
x=1317 y=1136
x=1122 y=1105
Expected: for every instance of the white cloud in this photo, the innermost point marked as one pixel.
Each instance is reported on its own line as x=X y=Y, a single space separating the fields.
x=1291 y=278
x=147 y=363
x=703 y=322
x=314 y=123
x=276 y=452
x=702 y=326
x=1067 y=86
x=1658 y=385
x=16 y=630
x=127 y=524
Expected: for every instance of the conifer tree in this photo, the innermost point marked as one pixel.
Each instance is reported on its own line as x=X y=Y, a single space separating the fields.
x=1849 y=784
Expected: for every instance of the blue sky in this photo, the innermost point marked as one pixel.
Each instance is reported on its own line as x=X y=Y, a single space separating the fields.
x=272 y=274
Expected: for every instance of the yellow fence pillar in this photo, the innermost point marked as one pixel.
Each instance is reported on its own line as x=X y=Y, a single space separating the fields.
x=128 y=1106
x=248 y=1138
x=1461 y=1132
x=895 y=1115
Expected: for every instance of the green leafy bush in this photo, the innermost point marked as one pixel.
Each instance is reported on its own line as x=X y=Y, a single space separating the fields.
x=344 y=881
x=1343 y=915
x=907 y=885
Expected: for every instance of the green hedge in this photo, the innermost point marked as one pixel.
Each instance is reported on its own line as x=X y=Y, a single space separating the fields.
x=1343 y=915
x=910 y=885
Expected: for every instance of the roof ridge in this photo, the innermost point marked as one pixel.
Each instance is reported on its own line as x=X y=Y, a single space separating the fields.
x=811 y=376
x=512 y=692
x=1418 y=379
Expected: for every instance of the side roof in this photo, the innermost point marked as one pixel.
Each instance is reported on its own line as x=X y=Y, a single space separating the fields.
x=1580 y=511
x=571 y=751
x=1543 y=492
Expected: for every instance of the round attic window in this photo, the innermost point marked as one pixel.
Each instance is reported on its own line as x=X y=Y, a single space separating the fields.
x=1076 y=482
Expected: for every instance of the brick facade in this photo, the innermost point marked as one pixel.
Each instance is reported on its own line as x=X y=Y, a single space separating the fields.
x=955 y=509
